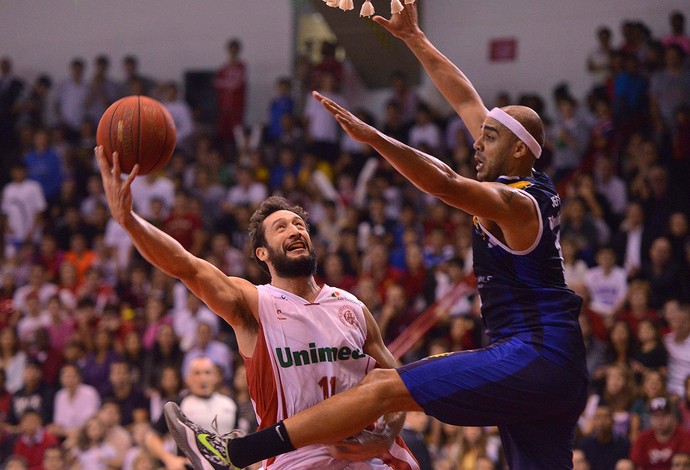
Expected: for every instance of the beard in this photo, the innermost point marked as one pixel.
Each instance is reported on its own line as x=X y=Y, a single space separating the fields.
x=284 y=266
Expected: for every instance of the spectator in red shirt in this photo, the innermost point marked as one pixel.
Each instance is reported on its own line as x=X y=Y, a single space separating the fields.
x=654 y=448
x=230 y=84
x=50 y=257
x=415 y=275
x=33 y=440
x=184 y=225
x=5 y=399
x=678 y=35
x=329 y=64
x=637 y=307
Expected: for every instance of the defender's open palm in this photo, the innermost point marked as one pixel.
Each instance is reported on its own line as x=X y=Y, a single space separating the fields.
x=403 y=24
x=355 y=127
x=117 y=190
x=364 y=446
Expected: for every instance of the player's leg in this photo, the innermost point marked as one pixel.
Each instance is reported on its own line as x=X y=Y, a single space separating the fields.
x=347 y=413
x=539 y=445
x=505 y=383
x=535 y=402
x=328 y=422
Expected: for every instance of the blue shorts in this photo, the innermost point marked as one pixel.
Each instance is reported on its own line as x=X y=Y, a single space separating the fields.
x=534 y=402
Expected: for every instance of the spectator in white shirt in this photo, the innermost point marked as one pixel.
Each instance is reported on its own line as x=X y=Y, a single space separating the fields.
x=75 y=403
x=181 y=113
x=116 y=238
x=37 y=285
x=202 y=402
x=607 y=284
x=23 y=203
x=92 y=451
x=611 y=186
x=425 y=132
x=323 y=132
x=574 y=269
x=12 y=360
x=677 y=342
x=150 y=187
x=246 y=191
x=72 y=94
x=95 y=197
x=33 y=319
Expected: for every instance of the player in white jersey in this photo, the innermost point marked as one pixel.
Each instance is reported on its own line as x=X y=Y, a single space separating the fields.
x=286 y=331
x=308 y=351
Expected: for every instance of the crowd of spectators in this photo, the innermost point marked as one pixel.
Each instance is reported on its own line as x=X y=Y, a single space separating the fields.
x=93 y=339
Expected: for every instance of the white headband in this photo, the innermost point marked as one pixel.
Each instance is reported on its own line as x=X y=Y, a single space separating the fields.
x=516 y=128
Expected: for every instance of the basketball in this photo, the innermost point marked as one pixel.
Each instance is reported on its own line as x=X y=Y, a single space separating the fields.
x=141 y=130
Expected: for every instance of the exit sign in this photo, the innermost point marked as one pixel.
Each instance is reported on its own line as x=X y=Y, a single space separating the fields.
x=503 y=49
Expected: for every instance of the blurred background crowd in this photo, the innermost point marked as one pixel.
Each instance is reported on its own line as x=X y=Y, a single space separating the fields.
x=94 y=340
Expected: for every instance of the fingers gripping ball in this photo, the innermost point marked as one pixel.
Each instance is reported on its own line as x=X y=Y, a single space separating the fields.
x=141 y=130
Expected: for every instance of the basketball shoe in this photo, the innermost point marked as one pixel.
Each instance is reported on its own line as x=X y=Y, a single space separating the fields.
x=206 y=450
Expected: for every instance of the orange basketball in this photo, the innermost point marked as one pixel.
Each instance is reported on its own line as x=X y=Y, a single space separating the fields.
x=141 y=130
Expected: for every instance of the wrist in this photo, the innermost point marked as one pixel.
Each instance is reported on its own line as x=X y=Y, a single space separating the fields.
x=415 y=37
x=127 y=220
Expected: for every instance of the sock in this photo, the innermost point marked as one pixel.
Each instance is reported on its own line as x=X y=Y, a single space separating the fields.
x=264 y=444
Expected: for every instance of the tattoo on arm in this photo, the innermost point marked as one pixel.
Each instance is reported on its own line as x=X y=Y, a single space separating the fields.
x=506 y=194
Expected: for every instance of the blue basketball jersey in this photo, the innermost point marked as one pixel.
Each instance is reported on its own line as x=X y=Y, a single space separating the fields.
x=524 y=293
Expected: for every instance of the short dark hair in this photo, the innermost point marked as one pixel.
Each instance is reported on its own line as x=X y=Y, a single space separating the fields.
x=604 y=29
x=18 y=166
x=45 y=80
x=234 y=42
x=74 y=366
x=257 y=232
x=131 y=59
x=86 y=303
x=31 y=411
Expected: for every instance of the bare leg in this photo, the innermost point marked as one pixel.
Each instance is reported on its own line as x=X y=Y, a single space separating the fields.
x=347 y=413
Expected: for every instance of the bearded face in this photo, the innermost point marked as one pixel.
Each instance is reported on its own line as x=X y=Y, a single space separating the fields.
x=291 y=266
x=287 y=245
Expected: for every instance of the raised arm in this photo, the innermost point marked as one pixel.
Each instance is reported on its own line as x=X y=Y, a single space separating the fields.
x=234 y=299
x=497 y=202
x=449 y=79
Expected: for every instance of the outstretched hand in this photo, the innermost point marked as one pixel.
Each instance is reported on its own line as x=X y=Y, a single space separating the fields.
x=364 y=446
x=117 y=190
x=355 y=127
x=401 y=25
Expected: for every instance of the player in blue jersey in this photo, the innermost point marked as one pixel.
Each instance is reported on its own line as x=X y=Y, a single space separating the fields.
x=531 y=381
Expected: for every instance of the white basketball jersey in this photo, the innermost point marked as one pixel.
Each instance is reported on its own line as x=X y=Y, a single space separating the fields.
x=305 y=353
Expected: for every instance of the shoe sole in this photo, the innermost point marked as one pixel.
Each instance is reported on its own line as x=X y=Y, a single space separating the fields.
x=182 y=436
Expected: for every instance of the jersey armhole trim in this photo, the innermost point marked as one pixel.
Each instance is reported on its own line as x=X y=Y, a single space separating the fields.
x=540 y=232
